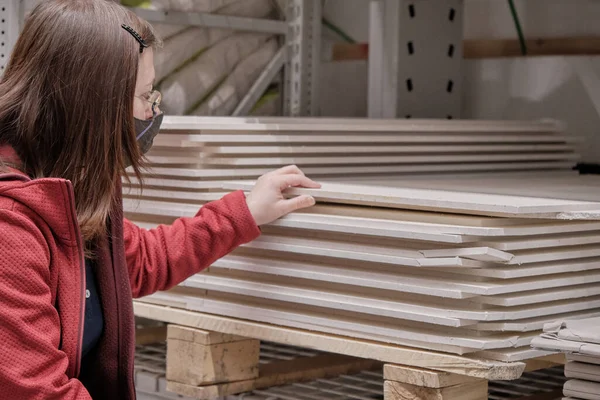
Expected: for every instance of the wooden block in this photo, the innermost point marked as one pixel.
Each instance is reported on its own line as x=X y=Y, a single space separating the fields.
x=423 y=377
x=202 y=358
x=466 y=391
x=199 y=336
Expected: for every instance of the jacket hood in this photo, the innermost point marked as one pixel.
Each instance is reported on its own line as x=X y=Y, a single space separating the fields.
x=38 y=195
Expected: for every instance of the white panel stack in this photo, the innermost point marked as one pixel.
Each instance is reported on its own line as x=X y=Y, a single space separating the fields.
x=340 y=147
x=194 y=155
x=580 y=340
x=459 y=272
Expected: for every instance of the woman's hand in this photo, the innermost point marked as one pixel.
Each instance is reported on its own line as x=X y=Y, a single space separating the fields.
x=266 y=201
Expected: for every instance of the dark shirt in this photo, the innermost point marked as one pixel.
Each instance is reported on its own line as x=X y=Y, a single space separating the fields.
x=94 y=321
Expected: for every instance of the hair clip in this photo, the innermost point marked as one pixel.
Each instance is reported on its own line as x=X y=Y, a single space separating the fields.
x=136 y=36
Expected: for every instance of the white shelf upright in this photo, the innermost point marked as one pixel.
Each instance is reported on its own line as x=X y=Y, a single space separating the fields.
x=415 y=59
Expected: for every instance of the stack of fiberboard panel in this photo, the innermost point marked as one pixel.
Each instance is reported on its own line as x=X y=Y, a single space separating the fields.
x=195 y=154
x=455 y=271
x=580 y=340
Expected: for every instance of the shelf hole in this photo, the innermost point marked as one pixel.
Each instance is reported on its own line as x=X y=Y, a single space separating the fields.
x=3 y=8
x=452 y=14
x=408 y=116
x=411 y=48
x=449 y=117
x=411 y=10
x=451 y=51
x=409 y=85
x=450 y=86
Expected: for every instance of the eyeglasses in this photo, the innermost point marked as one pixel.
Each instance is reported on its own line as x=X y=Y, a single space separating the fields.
x=154 y=97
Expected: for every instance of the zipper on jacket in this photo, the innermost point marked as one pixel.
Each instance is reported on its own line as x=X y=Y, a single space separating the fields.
x=78 y=237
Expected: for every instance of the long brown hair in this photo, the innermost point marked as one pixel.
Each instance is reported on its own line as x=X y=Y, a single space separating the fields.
x=66 y=100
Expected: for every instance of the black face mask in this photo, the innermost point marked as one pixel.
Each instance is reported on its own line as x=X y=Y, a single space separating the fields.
x=145 y=132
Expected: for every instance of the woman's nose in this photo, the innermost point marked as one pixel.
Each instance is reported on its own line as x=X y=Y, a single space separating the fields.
x=152 y=112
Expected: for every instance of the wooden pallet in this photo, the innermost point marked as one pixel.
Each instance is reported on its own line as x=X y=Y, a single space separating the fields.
x=230 y=361
x=198 y=364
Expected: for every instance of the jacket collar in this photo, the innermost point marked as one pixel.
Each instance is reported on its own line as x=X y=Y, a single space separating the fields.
x=52 y=199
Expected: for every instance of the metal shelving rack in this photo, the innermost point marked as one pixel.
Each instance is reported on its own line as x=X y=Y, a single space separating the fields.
x=298 y=58
x=415 y=59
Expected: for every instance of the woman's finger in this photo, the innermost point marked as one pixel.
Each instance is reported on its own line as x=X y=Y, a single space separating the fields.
x=295 y=203
x=287 y=181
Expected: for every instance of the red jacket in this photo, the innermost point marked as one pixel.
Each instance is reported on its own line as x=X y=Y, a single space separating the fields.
x=42 y=285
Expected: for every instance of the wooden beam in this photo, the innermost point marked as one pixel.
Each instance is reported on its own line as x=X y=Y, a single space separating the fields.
x=337 y=344
x=493 y=48
x=565 y=46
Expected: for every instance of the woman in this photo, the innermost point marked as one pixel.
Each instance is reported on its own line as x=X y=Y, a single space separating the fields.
x=76 y=109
